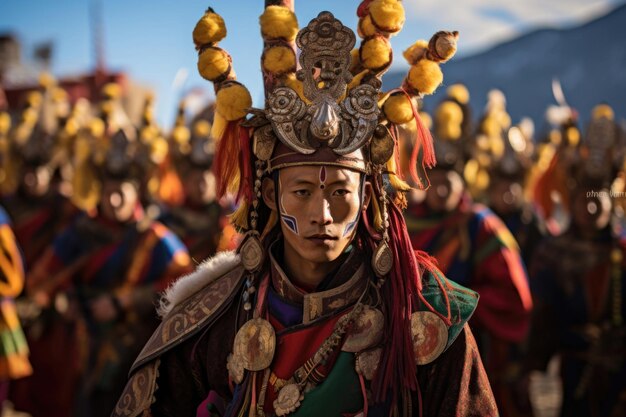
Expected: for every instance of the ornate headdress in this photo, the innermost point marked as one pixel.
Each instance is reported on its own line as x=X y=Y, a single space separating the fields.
x=329 y=112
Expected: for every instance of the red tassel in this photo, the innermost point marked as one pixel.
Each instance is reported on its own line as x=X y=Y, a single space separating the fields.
x=423 y=143
x=227 y=152
x=246 y=185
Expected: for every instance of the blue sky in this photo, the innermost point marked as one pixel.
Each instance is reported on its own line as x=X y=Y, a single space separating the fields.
x=151 y=40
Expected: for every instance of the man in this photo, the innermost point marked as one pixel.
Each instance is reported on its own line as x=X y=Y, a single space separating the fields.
x=324 y=310
x=201 y=220
x=97 y=284
x=474 y=248
x=38 y=209
x=507 y=191
x=579 y=282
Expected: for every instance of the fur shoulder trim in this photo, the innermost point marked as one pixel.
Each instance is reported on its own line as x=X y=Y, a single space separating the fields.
x=184 y=287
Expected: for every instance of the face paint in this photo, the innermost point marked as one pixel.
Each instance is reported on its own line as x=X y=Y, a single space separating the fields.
x=288 y=220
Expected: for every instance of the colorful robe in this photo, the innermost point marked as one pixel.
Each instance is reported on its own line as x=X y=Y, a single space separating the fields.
x=579 y=286
x=181 y=365
x=93 y=257
x=13 y=348
x=37 y=221
x=475 y=249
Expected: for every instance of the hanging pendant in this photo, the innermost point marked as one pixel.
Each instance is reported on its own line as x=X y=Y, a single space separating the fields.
x=430 y=336
x=367 y=363
x=382 y=260
x=254 y=345
x=366 y=331
x=252 y=253
x=381 y=146
x=288 y=400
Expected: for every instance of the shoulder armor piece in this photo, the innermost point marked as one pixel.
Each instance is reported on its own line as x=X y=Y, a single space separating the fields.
x=191 y=315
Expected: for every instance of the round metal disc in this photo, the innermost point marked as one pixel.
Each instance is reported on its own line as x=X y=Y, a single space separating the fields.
x=254 y=344
x=430 y=336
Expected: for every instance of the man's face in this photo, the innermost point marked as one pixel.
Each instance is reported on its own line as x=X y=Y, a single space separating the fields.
x=319 y=209
x=36 y=181
x=200 y=186
x=119 y=200
x=445 y=191
x=505 y=196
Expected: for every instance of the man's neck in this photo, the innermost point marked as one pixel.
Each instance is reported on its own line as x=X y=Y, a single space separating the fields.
x=305 y=274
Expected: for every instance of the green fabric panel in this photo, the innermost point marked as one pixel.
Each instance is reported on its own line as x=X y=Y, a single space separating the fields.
x=12 y=342
x=463 y=302
x=340 y=393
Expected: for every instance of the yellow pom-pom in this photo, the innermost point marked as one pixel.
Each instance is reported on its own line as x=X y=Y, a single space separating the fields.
x=398 y=109
x=96 y=128
x=214 y=63
x=71 y=127
x=233 y=101
x=491 y=126
x=46 y=80
x=425 y=76
x=366 y=28
x=29 y=116
x=572 y=135
x=415 y=52
x=209 y=29
x=33 y=99
x=202 y=128
x=449 y=117
x=375 y=53
x=459 y=93
x=603 y=111
x=387 y=15
x=5 y=123
x=278 y=22
x=181 y=135
x=112 y=90
x=279 y=59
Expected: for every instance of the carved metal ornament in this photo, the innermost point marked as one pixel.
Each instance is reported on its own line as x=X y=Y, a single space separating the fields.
x=344 y=126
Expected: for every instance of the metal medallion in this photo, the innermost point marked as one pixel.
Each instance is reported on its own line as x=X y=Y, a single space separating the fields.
x=381 y=146
x=382 y=261
x=252 y=252
x=430 y=336
x=366 y=331
x=289 y=398
x=367 y=363
x=264 y=142
x=255 y=344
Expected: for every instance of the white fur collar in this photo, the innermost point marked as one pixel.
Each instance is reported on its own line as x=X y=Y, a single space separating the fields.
x=209 y=270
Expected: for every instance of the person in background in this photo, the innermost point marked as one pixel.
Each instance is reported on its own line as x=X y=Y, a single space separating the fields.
x=579 y=281
x=474 y=248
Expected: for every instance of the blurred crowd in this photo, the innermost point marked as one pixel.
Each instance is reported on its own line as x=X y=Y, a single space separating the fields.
x=99 y=214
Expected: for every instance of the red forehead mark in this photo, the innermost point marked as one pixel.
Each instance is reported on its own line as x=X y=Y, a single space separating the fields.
x=322 y=177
